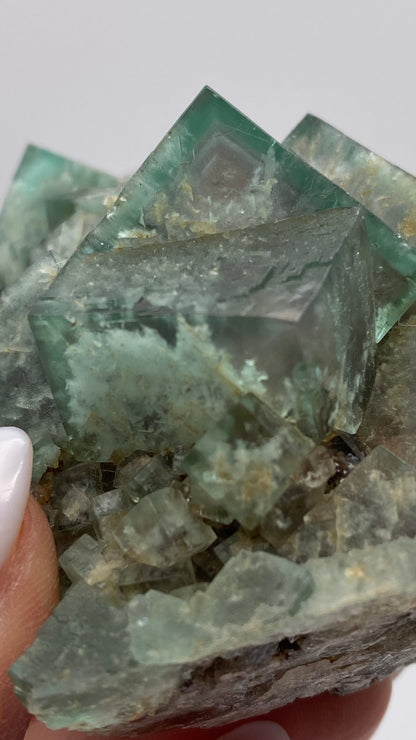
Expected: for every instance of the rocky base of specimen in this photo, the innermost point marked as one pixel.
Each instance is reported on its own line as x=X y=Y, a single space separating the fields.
x=358 y=626
x=257 y=680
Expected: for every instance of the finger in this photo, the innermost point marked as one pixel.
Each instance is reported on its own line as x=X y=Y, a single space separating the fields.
x=325 y=717
x=28 y=576
x=330 y=717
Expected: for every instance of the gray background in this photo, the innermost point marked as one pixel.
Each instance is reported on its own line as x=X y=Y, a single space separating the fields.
x=102 y=82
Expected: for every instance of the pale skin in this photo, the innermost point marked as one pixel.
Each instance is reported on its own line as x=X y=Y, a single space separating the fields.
x=29 y=592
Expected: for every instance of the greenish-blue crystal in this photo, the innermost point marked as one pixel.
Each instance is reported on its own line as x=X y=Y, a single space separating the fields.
x=42 y=196
x=217 y=170
x=244 y=462
x=267 y=310
x=25 y=397
x=386 y=191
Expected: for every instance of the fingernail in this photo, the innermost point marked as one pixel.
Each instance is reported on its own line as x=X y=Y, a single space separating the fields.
x=15 y=475
x=257 y=731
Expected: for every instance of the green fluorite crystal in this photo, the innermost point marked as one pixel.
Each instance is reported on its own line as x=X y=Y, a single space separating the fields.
x=245 y=461
x=162 y=530
x=384 y=189
x=229 y=536
x=25 y=397
x=43 y=195
x=267 y=311
x=217 y=170
x=376 y=503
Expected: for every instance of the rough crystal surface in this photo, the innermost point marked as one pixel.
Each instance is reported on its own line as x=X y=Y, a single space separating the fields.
x=384 y=189
x=42 y=196
x=390 y=417
x=25 y=397
x=244 y=462
x=376 y=503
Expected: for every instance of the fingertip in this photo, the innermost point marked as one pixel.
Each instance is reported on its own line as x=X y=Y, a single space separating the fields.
x=29 y=591
x=16 y=456
x=38 y=731
x=353 y=716
x=257 y=731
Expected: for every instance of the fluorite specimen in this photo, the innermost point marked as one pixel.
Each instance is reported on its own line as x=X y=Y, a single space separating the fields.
x=229 y=481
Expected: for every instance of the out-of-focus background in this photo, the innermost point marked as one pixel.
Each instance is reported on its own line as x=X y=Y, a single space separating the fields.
x=102 y=82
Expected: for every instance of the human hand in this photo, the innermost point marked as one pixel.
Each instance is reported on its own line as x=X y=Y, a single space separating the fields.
x=29 y=592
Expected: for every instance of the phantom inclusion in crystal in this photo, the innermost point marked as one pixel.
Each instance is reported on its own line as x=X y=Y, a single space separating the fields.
x=217 y=170
x=266 y=310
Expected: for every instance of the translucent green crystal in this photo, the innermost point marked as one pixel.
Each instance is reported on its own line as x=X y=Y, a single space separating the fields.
x=138 y=578
x=244 y=462
x=217 y=170
x=155 y=474
x=43 y=194
x=107 y=510
x=385 y=190
x=267 y=310
x=253 y=578
x=115 y=685
x=150 y=641
x=25 y=397
x=376 y=503
x=80 y=560
x=240 y=540
x=161 y=530
x=304 y=492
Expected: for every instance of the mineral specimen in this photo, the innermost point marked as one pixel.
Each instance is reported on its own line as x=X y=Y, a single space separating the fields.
x=229 y=481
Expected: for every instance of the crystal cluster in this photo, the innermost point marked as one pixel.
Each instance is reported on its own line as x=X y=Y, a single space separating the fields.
x=222 y=411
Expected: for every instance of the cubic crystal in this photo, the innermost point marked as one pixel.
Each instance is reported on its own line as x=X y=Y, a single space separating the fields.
x=42 y=196
x=244 y=463
x=385 y=190
x=216 y=170
x=259 y=311
x=161 y=530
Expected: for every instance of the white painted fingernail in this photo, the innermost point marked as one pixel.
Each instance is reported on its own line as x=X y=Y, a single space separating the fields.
x=257 y=731
x=15 y=475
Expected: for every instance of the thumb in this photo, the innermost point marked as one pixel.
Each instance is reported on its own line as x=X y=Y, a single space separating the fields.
x=28 y=570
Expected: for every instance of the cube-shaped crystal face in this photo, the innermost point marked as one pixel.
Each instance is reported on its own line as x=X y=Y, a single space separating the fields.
x=162 y=530
x=217 y=170
x=43 y=194
x=384 y=189
x=267 y=311
x=244 y=462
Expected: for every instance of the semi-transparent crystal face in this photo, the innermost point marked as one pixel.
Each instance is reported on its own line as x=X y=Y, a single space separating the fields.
x=202 y=356
x=384 y=189
x=180 y=331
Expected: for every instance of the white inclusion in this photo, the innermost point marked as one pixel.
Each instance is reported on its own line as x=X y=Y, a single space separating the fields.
x=141 y=368
x=142 y=622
